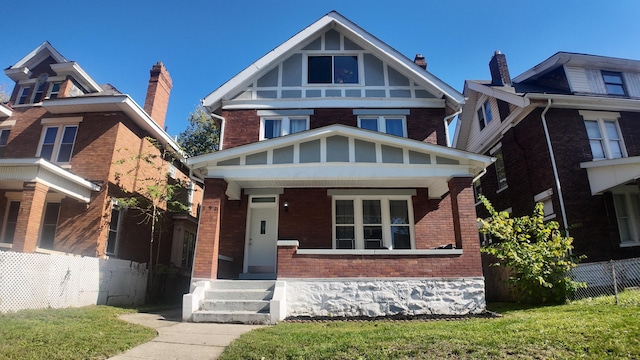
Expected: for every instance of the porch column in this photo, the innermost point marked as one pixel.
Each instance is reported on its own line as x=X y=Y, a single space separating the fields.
x=463 y=210
x=32 y=205
x=205 y=265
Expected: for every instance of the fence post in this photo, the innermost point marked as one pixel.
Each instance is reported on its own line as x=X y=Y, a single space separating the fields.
x=615 y=281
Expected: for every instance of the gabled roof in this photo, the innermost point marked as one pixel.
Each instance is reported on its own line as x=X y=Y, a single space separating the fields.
x=21 y=70
x=334 y=20
x=580 y=60
x=339 y=156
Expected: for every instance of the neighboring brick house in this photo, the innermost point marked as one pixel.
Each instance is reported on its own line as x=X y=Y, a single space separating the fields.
x=334 y=177
x=565 y=133
x=61 y=136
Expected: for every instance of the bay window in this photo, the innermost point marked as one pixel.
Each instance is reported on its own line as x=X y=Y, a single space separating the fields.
x=372 y=222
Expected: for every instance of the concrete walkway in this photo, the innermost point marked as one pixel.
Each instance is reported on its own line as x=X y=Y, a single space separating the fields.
x=181 y=340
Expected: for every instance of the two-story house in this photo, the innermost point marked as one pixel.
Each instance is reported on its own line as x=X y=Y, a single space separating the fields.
x=565 y=133
x=334 y=177
x=62 y=137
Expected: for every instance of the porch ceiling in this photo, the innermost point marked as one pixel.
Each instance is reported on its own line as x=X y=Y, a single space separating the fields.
x=606 y=174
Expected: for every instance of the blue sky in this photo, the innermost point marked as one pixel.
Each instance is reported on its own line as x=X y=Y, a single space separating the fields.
x=205 y=43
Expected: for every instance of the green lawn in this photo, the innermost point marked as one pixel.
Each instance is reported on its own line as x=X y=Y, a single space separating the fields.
x=92 y=332
x=578 y=330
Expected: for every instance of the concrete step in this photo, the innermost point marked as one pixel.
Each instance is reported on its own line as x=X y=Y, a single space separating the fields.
x=237 y=317
x=238 y=294
x=236 y=305
x=243 y=284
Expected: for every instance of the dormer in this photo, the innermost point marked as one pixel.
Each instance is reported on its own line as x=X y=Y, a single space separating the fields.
x=45 y=74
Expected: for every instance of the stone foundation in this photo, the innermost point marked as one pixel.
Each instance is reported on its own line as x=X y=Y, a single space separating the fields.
x=384 y=297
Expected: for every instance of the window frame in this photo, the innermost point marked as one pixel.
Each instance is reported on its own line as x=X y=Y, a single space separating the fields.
x=634 y=218
x=285 y=127
x=43 y=224
x=51 y=93
x=57 y=144
x=359 y=242
x=40 y=88
x=114 y=207
x=500 y=168
x=382 y=122
x=333 y=64
x=621 y=84
x=23 y=95
x=482 y=110
x=601 y=118
x=4 y=141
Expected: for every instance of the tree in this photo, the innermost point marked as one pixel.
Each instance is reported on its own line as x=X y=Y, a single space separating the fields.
x=148 y=189
x=537 y=253
x=202 y=135
x=4 y=95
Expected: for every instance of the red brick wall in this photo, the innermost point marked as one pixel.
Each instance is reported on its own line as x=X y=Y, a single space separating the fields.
x=243 y=126
x=207 y=246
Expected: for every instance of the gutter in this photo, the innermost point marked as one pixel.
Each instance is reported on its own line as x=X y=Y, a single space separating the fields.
x=554 y=167
x=446 y=125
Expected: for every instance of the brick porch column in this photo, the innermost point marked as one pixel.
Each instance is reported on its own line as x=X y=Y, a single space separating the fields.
x=30 y=215
x=463 y=210
x=205 y=265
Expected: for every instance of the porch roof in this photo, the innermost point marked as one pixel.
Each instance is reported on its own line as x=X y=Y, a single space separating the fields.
x=606 y=174
x=339 y=156
x=13 y=172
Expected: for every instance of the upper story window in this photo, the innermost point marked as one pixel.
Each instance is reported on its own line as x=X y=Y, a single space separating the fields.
x=335 y=69
x=272 y=127
x=501 y=172
x=4 y=139
x=393 y=125
x=604 y=134
x=54 y=90
x=22 y=95
x=41 y=85
x=613 y=83
x=57 y=143
x=372 y=222
x=484 y=115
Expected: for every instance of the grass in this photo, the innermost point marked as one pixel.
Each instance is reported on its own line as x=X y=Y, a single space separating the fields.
x=92 y=332
x=578 y=330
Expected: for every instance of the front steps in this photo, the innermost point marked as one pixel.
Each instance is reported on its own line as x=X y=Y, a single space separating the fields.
x=236 y=301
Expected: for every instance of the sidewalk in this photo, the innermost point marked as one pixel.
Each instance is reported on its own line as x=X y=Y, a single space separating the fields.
x=181 y=340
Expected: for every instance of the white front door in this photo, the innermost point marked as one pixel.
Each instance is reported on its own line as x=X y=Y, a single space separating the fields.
x=262 y=235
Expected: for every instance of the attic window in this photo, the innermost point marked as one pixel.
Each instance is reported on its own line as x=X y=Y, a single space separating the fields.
x=332 y=69
x=613 y=82
x=40 y=87
x=484 y=114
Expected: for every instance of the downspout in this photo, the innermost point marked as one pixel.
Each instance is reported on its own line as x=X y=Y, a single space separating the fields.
x=484 y=171
x=554 y=167
x=222 y=123
x=446 y=125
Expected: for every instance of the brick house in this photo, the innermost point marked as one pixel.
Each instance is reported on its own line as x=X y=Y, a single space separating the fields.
x=564 y=133
x=61 y=136
x=334 y=177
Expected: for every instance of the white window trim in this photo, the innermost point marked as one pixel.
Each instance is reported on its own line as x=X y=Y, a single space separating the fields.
x=19 y=96
x=382 y=125
x=57 y=142
x=42 y=79
x=483 y=106
x=114 y=203
x=50 y=89
x=285 y=125
x=601 y=117
x=494 y=150
x=386 y=220
x=635 y=227
x=543 y=197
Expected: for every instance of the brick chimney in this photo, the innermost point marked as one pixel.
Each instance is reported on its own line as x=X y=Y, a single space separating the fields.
x=499 y=70
x=420 y=61
x=158 y=92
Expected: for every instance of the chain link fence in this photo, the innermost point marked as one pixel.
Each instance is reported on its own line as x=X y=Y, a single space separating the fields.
x=607 y=278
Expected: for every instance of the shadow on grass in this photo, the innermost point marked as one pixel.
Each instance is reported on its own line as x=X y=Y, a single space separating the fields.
x=507 y=307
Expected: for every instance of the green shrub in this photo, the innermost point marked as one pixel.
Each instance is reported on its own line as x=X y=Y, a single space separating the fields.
x=539 y=256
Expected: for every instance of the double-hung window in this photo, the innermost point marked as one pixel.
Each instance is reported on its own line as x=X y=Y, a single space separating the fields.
x=273 y=127
x=4 y=139
x=328 y=69
x=394 y=125
x=54 y=90
x=49 y=225
x=484 y=114
x=57 y=140
x=501 y=172
x=372 y=222
x=114 y=226
x=627 y=206
x=23 y=95
x=41 y=85
x=613 y=83
x=604 y=135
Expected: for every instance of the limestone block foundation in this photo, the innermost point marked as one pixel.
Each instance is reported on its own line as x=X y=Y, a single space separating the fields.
x=384 y=297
